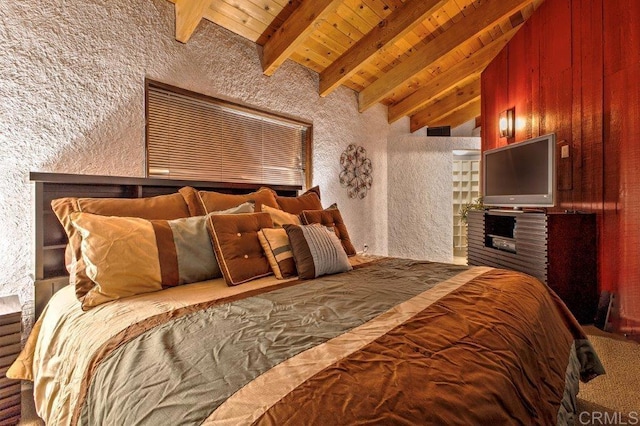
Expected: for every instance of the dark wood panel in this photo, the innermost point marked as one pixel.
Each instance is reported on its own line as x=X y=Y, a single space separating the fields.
x=493 y=81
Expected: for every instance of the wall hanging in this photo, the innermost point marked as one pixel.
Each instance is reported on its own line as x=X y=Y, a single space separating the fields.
x=356 y=174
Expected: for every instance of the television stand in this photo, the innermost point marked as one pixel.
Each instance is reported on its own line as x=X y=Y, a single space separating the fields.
x=557 y=248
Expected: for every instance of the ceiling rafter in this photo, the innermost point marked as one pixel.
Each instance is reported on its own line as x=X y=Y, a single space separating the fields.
x=189 y=13
x=386 y=33
x=443 y=105
x=456 y=117
x=491 y=12
x=294 y=31
x=412 y=55
x=444 y=81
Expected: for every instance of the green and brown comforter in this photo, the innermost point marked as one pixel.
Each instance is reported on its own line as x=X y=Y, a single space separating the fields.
x=394 y=341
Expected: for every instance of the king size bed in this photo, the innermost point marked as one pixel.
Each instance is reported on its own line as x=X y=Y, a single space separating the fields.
x=378 y=340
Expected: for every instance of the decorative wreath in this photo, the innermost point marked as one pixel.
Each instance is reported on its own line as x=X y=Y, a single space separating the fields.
x=356 y=171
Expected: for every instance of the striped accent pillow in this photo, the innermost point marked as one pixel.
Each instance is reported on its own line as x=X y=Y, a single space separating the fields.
x=275 y=244
x=126 y=256
x=316 y=250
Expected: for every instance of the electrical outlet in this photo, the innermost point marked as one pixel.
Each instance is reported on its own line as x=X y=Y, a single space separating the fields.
x=365 y=248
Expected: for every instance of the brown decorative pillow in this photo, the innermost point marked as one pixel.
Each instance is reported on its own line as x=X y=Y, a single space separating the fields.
x=330 y=218
x=237 y=247
x=275 y=244
x=310 y=200
x=280 y=217
x=316 y=250
x=214 y=201
x=162 y=207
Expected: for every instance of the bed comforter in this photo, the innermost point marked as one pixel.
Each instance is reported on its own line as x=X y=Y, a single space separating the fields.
x=394 y=341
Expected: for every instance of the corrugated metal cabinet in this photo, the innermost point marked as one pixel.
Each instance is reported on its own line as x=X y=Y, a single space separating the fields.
x=557 y=248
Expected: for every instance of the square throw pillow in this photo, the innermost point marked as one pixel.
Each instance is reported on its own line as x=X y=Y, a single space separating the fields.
x=310 y=200
x=316 y=250
x=280 y=217
x=237 y=247
x=275 y=244
x=330 y=218
x=125 y=256
x=165 y=207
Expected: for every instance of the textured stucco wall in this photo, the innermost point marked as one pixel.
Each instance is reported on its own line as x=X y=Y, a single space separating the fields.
x=72 y=101
x=420 y=199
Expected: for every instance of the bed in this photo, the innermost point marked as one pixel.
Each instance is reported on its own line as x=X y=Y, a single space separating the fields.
x=390 y=341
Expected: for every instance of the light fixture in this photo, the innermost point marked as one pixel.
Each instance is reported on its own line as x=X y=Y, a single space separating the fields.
x=507 y=123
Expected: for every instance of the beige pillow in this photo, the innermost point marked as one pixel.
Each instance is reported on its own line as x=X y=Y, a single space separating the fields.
x=275 y=244
x=125 y=256
x=280 y=217
x=172 y=206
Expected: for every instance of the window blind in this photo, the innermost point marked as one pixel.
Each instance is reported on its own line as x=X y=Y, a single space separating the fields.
x=200 y=138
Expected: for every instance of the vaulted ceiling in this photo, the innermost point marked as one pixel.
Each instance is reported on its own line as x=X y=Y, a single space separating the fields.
x=421 y=58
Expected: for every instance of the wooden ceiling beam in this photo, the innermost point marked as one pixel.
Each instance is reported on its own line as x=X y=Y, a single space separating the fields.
x=294 y=31
x=189 y=13
x=483 y=18
x=459 y=116
x=444 y=81
x=445 y=105
x=387 y=32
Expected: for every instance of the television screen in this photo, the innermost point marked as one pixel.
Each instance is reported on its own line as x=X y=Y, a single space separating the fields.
x=521 y=174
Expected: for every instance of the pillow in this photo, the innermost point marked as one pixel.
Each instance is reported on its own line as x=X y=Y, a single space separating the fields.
x=167 y=207
x=316 y=250
x=125 y=256
x=214 y=201
x=280 y=217
x=275 y=244
x=237 y=247
x=331 y=218
x=310 y=200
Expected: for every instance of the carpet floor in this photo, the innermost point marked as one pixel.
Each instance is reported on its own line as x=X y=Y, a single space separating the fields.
x=610 y=399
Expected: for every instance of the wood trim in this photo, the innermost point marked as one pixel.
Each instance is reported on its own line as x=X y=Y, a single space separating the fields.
x=67 y=178
x=294 y=31
x=389 y=30
x=445 y=105
x=492 y=12
x=456 y=117
x=189 y=13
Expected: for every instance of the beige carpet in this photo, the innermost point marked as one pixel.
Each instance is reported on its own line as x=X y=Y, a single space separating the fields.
x=616 y=393
x=619 y=389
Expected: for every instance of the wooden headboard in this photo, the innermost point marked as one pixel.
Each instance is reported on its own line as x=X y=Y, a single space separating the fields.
x=51 y=240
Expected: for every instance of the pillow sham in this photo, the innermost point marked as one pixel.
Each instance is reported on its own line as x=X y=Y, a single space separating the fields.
x=211 y=201
x=237 y=247
x=166 y=207
x=316 y=251
x=275 y=244
x=125 y=256
x=310 y=200
x=330 y=218
x=280 y=217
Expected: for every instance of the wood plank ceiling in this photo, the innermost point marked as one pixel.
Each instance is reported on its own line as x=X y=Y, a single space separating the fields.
x=421 y=58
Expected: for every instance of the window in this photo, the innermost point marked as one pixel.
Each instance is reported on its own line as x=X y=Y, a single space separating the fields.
x=197 y=137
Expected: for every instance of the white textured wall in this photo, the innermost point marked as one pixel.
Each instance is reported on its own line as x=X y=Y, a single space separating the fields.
x=71 y=97
x=420 y=201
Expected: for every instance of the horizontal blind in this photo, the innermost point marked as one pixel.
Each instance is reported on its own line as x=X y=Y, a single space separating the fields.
x=205 y=139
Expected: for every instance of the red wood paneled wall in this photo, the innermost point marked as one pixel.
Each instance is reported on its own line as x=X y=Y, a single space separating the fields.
x=573 y=69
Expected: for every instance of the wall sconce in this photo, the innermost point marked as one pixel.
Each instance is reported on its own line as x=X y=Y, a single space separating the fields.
x=507 y=123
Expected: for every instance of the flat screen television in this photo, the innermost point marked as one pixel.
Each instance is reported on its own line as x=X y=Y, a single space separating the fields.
x=520 y=175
